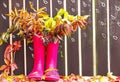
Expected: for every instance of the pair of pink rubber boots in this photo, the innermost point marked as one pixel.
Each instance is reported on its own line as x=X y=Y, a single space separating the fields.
x=50 y=72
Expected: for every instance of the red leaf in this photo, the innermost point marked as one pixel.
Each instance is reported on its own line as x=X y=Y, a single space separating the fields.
x=7 y=52
x=3 y=67
x=16 y=45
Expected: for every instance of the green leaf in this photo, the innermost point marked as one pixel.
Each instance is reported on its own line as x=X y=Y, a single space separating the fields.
x=48 y=23
x=66 y=15
x=61 y=12
x=61 y=54
x=71 y=17
x=5 y=36
x=20 y=33
x=1 y=41
x=53 y=23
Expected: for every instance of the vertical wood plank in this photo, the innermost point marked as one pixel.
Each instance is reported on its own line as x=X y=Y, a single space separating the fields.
x=45 y=3
x=19 y=56
x=115 y=36
x=94 y=37
x=101 y=36
x=79 y=41
x=4 y=24
x=65 y=45
x=72 y=42
x=86 y=41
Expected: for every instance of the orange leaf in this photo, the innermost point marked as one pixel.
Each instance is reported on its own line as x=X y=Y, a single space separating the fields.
x=16 y=45
x=7 y=61
x=3 y=67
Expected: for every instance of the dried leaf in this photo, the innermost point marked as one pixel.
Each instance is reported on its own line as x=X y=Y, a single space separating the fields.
x=7 y=52
x=16 y=12
x=7 y=62
x=1 y=41
x=5 y=36
x=3 y=67
x=20 y=33
x=31 y=6
x=85 y=16
x=16 y=45
x=41 y=9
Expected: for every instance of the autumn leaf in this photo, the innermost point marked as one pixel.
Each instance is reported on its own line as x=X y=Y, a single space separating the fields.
x=71 y=17
x=66 y=14
x=31 y=6
x=1 y=41
x=48 y=23
x=60 y=12
x=7 y=52
x=16 y=12
x=16 y=45
x=3 y=67
x=7 y=62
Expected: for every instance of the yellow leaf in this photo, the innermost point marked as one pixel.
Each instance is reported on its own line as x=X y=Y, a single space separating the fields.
x=20 y=76
x=48 y=23
x=61 y=12
x=16 y=12
x=85 y=16
x=31 y=6
x=71 y=17
x=40 y=9
x=9 y=14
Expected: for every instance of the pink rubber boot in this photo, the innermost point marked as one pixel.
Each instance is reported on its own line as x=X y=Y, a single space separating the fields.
x=39 y=50
x=51 y=62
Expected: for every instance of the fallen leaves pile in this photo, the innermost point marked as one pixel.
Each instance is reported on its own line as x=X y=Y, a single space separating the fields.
x=70 y=78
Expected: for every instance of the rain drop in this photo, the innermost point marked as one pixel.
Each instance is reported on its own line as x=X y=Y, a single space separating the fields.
x=32 y=55
x=117 y=8
x=102 y=4
x=97 y=11
x=59 y=2
x=17 y=4
x=4 y=17
x=72 y=39
x=46 y=2
x=115 y=37
x=73 y=1
x=84 y=4
x=104 y=35
x=56 y=9
x=31 y=49
x=73 y=9
x=5 y=5
x=113 y=17
x=118 y=23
